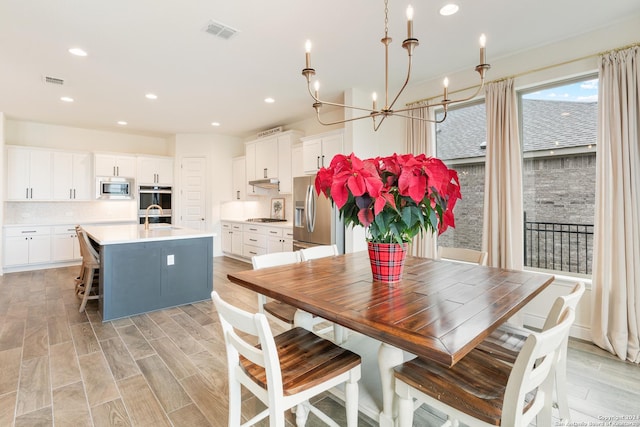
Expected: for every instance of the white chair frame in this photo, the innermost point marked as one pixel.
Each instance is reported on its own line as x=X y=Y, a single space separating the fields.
x=463 y=254
x=534 y=369
x=266 y=355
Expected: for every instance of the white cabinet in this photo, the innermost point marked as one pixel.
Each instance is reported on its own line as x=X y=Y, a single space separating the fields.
x=27 y=245
x=65 y=245
x=71 y=176
x=232 y=238
x=297 y=168
x=28 y=174
x=239 y=181
x=318 y=150
x=155 y=170
x=254 y=239
x=267 y=158
x=279 y=240
x=271 y=158
x=115 y=165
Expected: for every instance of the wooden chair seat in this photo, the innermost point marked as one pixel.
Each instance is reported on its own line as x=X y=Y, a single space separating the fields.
x=281 y=311
x=463 y=254
x=305 y=360
x=476 y=384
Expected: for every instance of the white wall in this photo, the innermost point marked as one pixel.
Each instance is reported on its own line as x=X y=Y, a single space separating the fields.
x=19 y=132
x=217 y=150
x=2 y=173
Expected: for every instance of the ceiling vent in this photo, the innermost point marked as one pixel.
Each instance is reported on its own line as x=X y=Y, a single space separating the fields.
x=220 y=30
x=53 y=80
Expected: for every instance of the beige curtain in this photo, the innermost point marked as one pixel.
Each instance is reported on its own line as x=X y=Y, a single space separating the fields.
x=421 y=139
x=616 y=254
x=502 y=227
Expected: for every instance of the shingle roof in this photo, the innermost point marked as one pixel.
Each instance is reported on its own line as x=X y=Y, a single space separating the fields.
x=547 y=125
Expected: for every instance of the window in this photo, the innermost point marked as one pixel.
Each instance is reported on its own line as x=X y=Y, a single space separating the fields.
x=461 y=143
x=558 y=135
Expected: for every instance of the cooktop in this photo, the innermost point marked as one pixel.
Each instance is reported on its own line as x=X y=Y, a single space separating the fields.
x=266 y=220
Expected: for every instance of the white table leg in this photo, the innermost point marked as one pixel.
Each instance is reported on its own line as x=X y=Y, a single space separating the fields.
x=303 y=319
x=388 y=358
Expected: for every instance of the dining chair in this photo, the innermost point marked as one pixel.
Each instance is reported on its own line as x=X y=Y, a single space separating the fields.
x=463 y=254
x=284 y=371
x=87 y=288
x=283 y=312
x=481 y=390
x=506 y=342
x=322 y=251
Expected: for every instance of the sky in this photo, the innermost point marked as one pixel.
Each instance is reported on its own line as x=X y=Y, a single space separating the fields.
x=585 y=91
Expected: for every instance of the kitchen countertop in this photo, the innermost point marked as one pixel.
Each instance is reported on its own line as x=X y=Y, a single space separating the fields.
x=58 y=223
x=134 y=233
x=280 y=224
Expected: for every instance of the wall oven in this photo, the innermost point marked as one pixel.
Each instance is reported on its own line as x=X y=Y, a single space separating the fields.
x=154 y=195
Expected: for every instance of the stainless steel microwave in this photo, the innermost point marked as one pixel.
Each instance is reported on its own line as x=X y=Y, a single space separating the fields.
x=114 y=188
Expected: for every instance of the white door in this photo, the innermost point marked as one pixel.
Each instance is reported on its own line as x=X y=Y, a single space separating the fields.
x=192 y=195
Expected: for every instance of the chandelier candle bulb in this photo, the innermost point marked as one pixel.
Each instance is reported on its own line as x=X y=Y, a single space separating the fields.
x=446 y=88
x=483 y=42
x=316 y=87
x=409 y=22
x=374 y=96
x=307 y=48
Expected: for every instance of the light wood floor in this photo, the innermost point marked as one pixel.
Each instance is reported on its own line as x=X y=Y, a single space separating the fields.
x=59 y=367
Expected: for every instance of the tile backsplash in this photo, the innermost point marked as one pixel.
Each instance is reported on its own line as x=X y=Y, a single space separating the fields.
x=69 y=213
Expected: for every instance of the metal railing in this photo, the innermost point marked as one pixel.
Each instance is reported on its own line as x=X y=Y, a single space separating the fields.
x=558 y=246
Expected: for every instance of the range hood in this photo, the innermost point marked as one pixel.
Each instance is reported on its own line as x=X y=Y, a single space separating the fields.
x=269 y=183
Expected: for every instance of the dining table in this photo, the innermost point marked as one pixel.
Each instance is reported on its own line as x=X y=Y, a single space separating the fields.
x=440 y=310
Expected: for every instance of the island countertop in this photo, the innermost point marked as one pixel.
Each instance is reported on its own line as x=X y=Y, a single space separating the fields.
x=132 y=233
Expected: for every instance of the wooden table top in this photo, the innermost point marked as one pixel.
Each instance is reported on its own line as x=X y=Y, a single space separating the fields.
x=440 y=310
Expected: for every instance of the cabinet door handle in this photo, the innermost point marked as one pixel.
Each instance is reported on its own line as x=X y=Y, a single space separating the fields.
x=26 y=196
x=31 y=193
x=74 y=193
x=273 y=232
x=70 y=193
x=252 y=240
x=237 y=194
x=318 y=162
x=323 y=160
x=265 y=172
x=28 y=231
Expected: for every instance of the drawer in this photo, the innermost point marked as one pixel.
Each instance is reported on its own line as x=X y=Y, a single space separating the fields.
x=236 y=227
x=64 y=229
x=253 y=239
x=226 y=226
x=274 y=232
x=249 y=250
x=251 y=228
x=27 y=231
x=288 y=234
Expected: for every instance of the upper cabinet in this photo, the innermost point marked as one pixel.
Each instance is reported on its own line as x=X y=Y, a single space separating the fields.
x=270 y=157
x=155 y=170
x=28 y=174
x=318 y=150
x=115 y=165
x=71 y=176
x=239 y=181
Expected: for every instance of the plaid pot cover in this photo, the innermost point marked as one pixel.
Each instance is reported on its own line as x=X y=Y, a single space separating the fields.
x=387 y=261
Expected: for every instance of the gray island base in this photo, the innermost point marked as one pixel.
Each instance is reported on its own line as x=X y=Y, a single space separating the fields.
x=146 y=270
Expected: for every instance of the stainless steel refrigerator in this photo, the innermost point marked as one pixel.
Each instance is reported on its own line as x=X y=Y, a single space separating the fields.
x=315 y=220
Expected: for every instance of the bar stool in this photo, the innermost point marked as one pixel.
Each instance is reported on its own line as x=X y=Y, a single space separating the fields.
x=86 y=286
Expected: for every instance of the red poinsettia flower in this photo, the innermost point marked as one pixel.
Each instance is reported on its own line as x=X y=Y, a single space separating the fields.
x=396 y=197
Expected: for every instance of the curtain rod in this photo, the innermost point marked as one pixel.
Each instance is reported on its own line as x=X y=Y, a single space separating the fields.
x=524 y=73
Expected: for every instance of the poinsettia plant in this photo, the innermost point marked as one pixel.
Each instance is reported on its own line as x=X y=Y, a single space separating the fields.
x=395 y=197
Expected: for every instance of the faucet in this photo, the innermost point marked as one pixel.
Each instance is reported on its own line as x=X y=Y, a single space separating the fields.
x=146 y=217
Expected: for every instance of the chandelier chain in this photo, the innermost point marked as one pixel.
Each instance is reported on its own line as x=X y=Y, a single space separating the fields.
x=386 y=18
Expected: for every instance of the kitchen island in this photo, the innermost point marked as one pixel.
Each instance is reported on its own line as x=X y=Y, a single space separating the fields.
x=145 y=270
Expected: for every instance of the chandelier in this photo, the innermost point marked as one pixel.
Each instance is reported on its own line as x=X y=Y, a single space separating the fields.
x=379 y=114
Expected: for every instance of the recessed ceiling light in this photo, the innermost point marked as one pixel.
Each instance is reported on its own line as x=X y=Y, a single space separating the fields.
x=269 y=100
x=215 y=124
x=449 y=9
x=77 y=51
x=122 y=123
x=66 y=99
x=151 y=96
